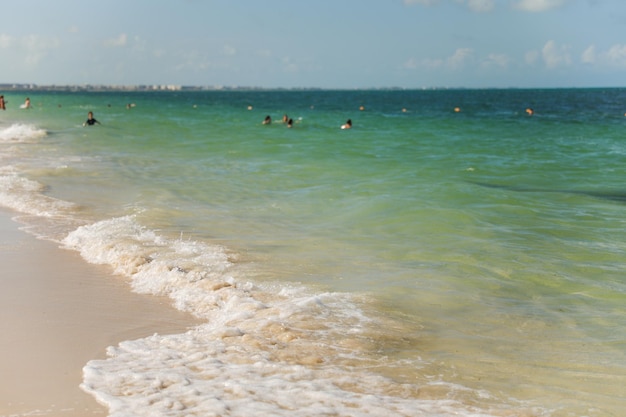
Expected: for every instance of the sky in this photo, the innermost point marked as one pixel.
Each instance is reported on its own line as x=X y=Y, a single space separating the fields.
x=334 y=44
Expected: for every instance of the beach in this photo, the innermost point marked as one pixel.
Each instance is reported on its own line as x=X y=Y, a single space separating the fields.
x=57 y=312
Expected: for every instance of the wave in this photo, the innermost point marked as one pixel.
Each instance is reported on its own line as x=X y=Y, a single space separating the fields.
x=22 y=133
x=264 y=349
x=19 y=193
x=27 y=196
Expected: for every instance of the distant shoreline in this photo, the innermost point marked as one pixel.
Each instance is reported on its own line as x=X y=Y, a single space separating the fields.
x=179 y=88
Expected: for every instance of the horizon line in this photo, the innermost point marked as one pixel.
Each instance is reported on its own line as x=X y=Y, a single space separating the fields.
x=180 y=87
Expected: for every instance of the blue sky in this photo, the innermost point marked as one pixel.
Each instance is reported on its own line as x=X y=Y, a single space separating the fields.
x=321 y=43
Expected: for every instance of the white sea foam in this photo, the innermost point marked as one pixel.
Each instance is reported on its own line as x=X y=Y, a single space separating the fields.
x=23 y=133
x=27 y=196
x=264 y=350
x=22 y=194
x=208 y=373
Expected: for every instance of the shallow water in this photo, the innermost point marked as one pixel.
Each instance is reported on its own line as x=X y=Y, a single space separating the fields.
x=425 y=262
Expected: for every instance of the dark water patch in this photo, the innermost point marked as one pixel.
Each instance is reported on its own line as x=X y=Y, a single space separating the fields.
x=612 y=195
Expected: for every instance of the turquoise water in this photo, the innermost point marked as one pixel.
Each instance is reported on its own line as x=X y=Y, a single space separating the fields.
x=425 y=262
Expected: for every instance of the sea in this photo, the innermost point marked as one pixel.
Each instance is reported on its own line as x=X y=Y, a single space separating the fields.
x=451 y=254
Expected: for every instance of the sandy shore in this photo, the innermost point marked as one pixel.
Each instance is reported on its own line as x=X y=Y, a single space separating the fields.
x=56 y=313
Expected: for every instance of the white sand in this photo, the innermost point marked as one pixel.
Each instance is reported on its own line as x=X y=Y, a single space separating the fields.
x=56 y=313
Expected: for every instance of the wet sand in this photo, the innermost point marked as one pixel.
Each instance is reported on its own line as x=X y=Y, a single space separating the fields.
x=57 y=312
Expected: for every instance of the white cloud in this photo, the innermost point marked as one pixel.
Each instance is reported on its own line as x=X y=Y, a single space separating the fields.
x=531 y=57
x=192 y=61
x=536 y=6
x=422 y=2
x=5 y=41
x=459 y=58
x=289 y=65
x=555 y=56
x=496 y=60
x=139 y=44
x=428 y=63
x=30 y=50
x=121 y=40
x=36 y=47
x=617 y=55
x=410 y=64
x=589 y=55
x=481 y=6
x=38 y=43
x=229 y=50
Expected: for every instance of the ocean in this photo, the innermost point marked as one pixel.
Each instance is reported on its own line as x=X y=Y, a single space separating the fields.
x=449 y=255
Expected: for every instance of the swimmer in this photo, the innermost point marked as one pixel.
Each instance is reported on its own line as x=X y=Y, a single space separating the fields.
x=290 y=123
x=90 y=120
x=347 y=124
x=267 y=120
x=530 y=111
x=285 y=118
x=3 y=105
x=26 y=104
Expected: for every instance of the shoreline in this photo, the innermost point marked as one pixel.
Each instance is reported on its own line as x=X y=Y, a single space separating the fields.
x=57 y=312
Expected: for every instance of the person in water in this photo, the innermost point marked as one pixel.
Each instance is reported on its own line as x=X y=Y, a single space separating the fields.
x=347 y=125
x=90 y=120
x=3 y=105
x=267 y=120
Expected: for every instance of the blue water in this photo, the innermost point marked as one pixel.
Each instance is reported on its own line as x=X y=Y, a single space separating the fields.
x=428 y=261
